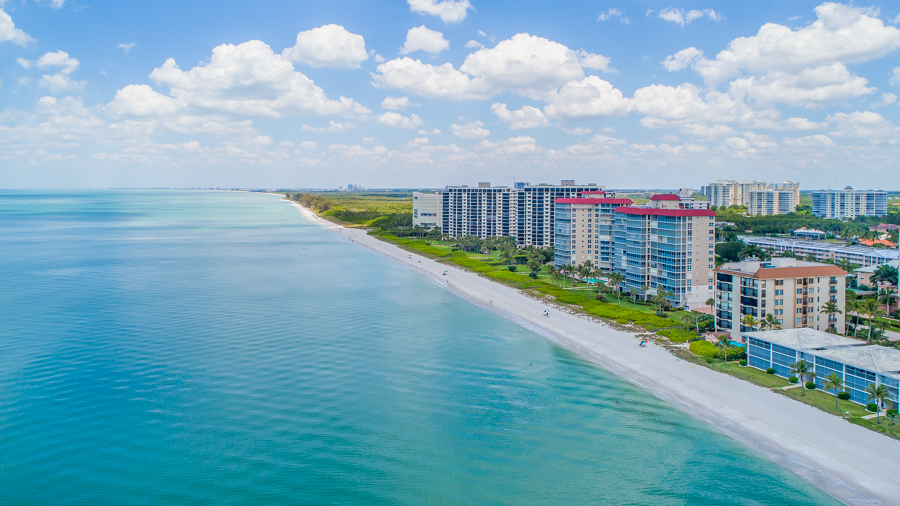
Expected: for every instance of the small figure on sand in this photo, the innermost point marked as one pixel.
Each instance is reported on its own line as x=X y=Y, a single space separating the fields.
x=643 y=343
x=547 y=313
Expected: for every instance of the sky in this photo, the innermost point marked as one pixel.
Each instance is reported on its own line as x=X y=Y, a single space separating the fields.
x=428 y=93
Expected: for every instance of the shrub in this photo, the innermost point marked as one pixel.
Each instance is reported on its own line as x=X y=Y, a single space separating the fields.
x=512 y=268
x=793 y=379
x=810 y=385
x=891 y=413
x=770 y=371
x=710 y=350
x=743 y=363
x=677 y=335
x=872 y=407
x=844 y=396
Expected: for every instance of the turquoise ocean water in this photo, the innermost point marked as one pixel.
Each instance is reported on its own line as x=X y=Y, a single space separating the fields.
x=175 y=347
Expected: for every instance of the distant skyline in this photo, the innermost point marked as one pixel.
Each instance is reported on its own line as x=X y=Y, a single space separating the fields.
x=427 y=93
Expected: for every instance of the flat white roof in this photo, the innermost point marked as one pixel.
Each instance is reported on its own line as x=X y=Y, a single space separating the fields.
x=804 y=338
x=878 y=359
x=873 y=268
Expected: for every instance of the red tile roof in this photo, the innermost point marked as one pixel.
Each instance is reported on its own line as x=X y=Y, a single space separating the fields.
x=665 y=196
x=594 y=201
x=665 y=212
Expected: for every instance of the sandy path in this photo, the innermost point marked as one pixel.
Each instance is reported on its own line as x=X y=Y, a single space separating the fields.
x=855 y=465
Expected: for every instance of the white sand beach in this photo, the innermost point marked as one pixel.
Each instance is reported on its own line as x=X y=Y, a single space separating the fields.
x=853 y=464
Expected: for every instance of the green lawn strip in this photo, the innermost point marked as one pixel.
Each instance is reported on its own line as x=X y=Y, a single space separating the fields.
x=677 y=335
x=711 y=352
x=750 y=374
x=825 y=402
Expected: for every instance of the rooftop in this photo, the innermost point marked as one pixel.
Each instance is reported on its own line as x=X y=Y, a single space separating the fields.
x=827 y=246
x=878 y=359
x=804 y=339
x=781 y=268
x=665 y=212
x=593 y=201
x=873 y=268
x=665 y=196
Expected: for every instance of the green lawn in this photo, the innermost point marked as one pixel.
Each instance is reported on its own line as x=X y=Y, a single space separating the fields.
x=750 y=374
x=825 y=402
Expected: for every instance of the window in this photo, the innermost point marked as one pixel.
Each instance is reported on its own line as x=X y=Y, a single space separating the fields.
x=779 y=282
x=779 y=312
x=779 y=292
x=779 y=302
x=798 y=320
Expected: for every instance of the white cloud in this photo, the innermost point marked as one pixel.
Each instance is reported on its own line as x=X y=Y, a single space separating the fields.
x=594 y=61
x=679 y=17
x=141 y=100
x=895 y=77
x=308 y=145
x=127 y=47
x=328 y=46
x=886 y=100
x=811 y=87
x=667 y=106
x=426 y=132
x=450 y=11
x=813 y=141
x=841 y=34
x=577 y=131
x=682 y=59
x=526 y=117
x=470 y=131
x=524 y=64
x=9 y=32
x=864 y=125
x=393 y=119
x=706 y=131
x=613 y=13
x=421 y=38
x=59 y=81
x=512 y=146
x=589 y=99
x=397 y=103
x=249 y=79
x=426 y=80
x=333 y=127
x=474 y=44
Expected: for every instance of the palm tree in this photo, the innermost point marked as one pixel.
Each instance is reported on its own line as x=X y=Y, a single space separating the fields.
x=688 y=321
x=770 y=322
x=877 y=394
x=830 y=308
x=801 y=369
x=596 y=273
x=724 y=343
x=871 y=309
x=644 y=289
x=750 y=321
x=852 y=306
x=834 y=383
x=711 y=302
x=553 y=272
x=884 y=296
x=616 y=279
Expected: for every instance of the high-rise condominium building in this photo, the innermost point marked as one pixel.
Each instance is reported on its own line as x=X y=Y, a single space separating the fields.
x=525 y=212
x=848 y=203
x=726 y=192
x=769 y=202
x=584 y=231
x=662 y=246
x=427 y=209
x=793 y=291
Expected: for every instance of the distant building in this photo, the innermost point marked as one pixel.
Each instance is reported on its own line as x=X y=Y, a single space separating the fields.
x=808 y=233
x=771 y=202
x=684 y=193
x=821 y=250
x=792 y=290
x=584 y=231
x=848 y=203
x=884 y=227
x=525 y=212
x=427 y=209
x=864 y=274
x=690 y=203
x=849 y=359
x=727 y=192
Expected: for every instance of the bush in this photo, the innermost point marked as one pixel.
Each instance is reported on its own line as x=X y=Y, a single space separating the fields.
x=710 y=350
x=743 y=363
x=512 y=268
x=770 y=371
x=677 y=335
x=844 y=396
x=872 y=407
x=793 y=379
x=810 y=385
x=891 y=413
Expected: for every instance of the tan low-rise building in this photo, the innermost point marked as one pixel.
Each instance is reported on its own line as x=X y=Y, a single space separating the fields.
x=793 y=291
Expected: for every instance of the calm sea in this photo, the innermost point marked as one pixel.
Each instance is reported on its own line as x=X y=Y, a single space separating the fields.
x=176 y=347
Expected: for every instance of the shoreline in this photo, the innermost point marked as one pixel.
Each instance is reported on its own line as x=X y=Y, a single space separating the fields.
x=851 y=463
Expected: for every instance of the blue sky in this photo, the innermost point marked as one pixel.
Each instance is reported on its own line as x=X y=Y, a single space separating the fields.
x=424 y=93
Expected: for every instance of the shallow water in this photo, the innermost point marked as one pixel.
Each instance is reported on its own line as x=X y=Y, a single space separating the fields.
x=215 y=347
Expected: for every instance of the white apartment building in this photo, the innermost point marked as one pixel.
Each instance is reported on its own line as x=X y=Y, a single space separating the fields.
x=663 y=246
x=863 y=256
x=792 y=290
x=727 y=192
x=848 y=203
x=584 y=231
x=525 y=212
x=769 y=202
x=427 y=209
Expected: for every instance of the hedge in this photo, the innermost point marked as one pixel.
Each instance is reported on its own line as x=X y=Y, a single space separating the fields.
x=677 y=335
x=844 y=396
x=710 y=350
